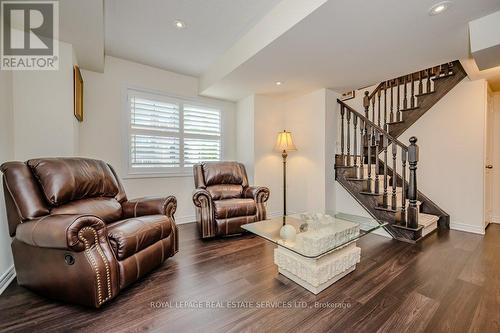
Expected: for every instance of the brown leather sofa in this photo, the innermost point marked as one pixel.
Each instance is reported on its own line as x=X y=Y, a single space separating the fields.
x=224 y=201
x=76 y=236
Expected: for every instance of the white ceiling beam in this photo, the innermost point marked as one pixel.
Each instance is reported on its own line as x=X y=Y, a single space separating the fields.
x=485 y=40
x=280 y=19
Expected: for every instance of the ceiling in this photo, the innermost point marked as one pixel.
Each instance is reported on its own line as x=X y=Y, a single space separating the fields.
x=82 y=24
x=241 y=47
x=346 y=44
x=143 y=31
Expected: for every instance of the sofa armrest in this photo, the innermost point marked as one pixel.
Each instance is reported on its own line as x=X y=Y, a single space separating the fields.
x=258 y=193
x=150 y=206
x=200 y=196
x=67 y=231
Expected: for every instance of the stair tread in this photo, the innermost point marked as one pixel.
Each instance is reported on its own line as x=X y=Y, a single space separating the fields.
x=427 y=219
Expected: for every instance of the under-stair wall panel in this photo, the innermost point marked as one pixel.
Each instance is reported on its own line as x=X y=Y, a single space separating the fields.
x=451 y=166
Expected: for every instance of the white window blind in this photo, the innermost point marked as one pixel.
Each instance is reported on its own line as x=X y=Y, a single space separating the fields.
x=168 y=135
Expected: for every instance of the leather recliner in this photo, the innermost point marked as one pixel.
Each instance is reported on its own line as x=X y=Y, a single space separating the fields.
x=76 y=236
x=224 y=201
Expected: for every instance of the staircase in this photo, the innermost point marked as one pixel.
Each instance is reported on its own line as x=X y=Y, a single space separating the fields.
x=378 y=170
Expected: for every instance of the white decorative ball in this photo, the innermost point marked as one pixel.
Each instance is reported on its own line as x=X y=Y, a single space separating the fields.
x=288 y=232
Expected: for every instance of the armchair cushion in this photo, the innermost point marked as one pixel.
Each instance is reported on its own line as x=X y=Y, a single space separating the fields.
x=150 y=206
x=58 y=231
x=130 y=236
x=221 y=192
x=107 y=209
x=234 y=207
x=65 y=180
x=224 y=173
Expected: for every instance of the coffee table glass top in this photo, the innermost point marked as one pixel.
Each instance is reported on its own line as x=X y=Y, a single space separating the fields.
x=313 y=235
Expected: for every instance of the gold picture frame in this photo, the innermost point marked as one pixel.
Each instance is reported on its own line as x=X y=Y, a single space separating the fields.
x=78 y=93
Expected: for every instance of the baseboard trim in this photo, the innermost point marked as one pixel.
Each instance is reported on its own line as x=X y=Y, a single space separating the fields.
x=495 y=219
x=7 y=278
x=467 y=228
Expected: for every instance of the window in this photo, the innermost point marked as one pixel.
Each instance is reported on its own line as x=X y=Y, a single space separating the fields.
x=169 y=135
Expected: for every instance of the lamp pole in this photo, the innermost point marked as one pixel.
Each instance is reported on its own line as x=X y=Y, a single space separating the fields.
x=284 y=155
x=284 y=144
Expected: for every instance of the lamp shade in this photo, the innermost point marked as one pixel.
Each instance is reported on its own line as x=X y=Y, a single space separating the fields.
x=284 y=142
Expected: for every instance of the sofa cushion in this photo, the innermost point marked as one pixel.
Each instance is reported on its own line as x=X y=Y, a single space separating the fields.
x=107 y=209
x=215 y=173
x=66 y=179
x=220 y=192
x=130 y=236
x=234 y=207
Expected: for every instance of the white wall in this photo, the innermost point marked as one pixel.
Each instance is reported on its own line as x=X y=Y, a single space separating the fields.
x=44 y=124
x=306 y=119
x=6 y=154
x=451 y=137
x=245 y=134
x=101 y=133
x=269 y=120
x=310 y=182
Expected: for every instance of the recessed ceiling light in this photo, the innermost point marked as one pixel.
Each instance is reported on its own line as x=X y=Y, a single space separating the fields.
x=279 y=83
x=179 y=24
x=439 y=8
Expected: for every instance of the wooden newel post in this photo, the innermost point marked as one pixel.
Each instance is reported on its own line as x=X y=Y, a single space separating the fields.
x=412 y=188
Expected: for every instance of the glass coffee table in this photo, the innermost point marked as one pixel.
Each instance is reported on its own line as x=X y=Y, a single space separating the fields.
x=315 y=250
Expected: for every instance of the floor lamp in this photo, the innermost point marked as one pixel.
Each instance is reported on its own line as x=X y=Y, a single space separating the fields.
x=284 y=144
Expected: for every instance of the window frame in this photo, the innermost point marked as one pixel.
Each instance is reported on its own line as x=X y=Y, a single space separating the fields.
x=166 y=172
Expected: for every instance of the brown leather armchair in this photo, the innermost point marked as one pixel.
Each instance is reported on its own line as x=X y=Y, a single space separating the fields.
x=223 y=199
x=76 y=236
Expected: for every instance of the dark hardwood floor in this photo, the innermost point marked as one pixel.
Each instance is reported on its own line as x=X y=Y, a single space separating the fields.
x=447 y=283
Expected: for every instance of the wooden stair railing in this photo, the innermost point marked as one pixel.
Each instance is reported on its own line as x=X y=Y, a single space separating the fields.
x=390 y=109
x=396 y=104
x=355 y=164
